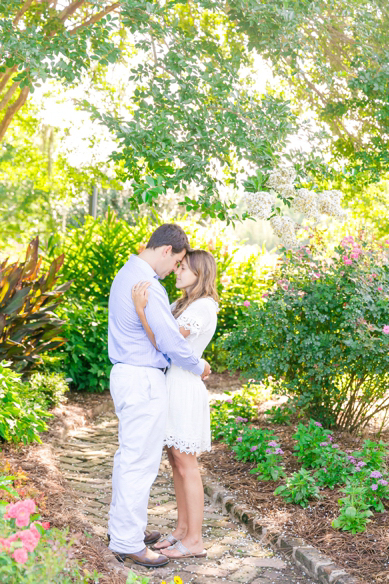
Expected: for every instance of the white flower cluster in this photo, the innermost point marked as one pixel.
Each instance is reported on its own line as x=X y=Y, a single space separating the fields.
x=329 y=203
x=281 y=180
x=285 y=228
x=306 y=201
x=260 y=204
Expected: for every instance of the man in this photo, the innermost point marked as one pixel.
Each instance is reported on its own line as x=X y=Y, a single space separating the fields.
x=137 y=386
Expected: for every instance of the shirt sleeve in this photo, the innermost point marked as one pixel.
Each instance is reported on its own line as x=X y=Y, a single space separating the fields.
x=167 y=335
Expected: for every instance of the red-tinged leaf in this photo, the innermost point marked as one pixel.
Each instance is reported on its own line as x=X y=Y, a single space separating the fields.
x=31 y=260
x=17 y=301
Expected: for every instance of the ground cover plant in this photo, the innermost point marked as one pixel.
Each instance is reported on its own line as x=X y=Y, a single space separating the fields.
x=23 y=412
x=334 y=493
x=330 y=344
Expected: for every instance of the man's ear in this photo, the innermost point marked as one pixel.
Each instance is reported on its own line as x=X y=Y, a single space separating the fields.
x=167 y=250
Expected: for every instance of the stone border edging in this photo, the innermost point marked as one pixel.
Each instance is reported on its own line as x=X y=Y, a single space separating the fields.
x=308 y=558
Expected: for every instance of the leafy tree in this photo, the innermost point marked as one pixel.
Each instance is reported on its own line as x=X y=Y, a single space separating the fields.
x=190 y=113
x=333 y=56
x=50 y=40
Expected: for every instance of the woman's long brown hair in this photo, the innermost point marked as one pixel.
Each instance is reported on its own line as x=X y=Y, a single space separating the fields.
x=203 y=265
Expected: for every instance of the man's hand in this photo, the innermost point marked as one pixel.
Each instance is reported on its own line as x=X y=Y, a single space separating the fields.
x=207 y=371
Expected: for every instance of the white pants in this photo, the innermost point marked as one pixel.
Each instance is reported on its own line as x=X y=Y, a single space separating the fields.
x=140 y=398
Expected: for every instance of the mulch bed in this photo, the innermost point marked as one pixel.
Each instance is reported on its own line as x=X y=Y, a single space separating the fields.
x=365 y=555
x=45 y=484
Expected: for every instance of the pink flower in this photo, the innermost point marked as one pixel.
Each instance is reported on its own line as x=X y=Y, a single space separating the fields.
x=246 y=303
x=229 y=401
x=19 y=511
x=347 y=261
x=4 y=543
x=35 y=532
x=385 y=330
x=355 y=255
x=239 y=439
x=253 y=448
x=374 y=487
x=386 y=241
x=30 y=541
x=265 y=295
x=374 y=275
x=23 y=517
x=20 y=556
x=379 y=288
x=29 y=504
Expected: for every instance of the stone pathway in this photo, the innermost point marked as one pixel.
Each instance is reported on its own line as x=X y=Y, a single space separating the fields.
x=86 y=457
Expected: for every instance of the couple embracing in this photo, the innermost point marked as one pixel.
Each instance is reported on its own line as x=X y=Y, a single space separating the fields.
x=159 y=396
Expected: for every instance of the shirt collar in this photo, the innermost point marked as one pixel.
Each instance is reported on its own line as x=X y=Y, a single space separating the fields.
x=144 y=266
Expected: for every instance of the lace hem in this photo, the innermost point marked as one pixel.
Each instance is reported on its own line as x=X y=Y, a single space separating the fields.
x=189 y=324
x=187 y=447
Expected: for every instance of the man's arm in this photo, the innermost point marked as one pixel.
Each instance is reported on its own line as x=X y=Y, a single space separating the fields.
x=167 y=336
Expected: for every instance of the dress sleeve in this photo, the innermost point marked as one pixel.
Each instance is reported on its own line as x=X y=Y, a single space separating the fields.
x=196 y=317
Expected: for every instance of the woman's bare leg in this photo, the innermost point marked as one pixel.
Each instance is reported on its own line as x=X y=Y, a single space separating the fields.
x=191 y=492
x=182 y=519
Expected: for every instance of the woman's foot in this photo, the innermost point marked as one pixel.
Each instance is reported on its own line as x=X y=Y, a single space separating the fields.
x=185 y=549
x=169 y=540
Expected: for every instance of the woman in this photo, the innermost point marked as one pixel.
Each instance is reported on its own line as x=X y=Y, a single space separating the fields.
x=188 y=426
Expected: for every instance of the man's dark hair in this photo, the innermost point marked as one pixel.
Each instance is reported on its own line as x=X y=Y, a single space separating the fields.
x=169 y=234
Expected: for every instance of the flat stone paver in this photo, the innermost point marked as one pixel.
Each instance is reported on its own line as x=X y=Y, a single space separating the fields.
x=234 y=556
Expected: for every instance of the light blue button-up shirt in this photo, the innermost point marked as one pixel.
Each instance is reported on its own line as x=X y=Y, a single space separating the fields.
x=127 y=340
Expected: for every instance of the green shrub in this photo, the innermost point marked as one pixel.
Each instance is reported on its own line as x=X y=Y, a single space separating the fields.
x=28 y=325
x=300 y=488
x=354 y=510
x=95 y=251
x=324 y=331
x=22 y=415
x=252 y=444
x=308 y=442
x=270 y=468
x=224 y=414
x=51 y=386
x=281 y=414
x=85 y=354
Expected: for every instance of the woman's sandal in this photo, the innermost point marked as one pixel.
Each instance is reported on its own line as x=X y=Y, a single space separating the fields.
x=170 y=539
x=185 y=553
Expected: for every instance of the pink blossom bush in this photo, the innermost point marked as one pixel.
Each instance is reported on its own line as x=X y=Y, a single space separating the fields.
x=325 y=339
x=32 y=555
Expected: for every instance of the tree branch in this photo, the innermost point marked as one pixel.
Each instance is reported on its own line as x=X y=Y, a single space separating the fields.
x=96 y=17
x=9 y=94
x=12 y=110
x=23 y=9
x=6 y=76
x=71 y=9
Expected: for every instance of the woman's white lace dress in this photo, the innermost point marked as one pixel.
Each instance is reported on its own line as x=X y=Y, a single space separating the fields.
x=188 y=423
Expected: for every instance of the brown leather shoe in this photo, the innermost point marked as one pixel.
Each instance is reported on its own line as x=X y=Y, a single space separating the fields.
x=146 y=558
x=150 y=537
